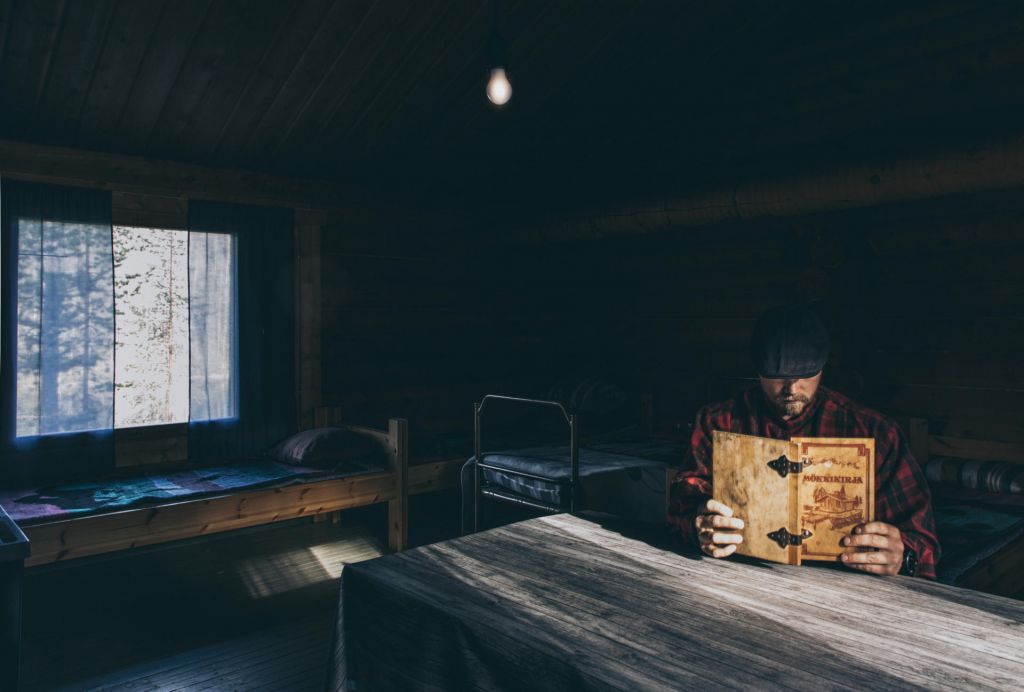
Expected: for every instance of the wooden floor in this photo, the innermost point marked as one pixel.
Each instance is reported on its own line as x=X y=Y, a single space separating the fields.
x=251 y=610
x=290 y=656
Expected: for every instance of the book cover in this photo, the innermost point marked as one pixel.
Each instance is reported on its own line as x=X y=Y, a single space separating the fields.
x=797 y=497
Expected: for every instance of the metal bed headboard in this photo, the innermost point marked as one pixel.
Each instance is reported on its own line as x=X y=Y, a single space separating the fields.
x=574 y=460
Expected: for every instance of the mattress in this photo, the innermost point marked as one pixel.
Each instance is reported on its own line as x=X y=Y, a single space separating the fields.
x=625 y=478
x=970 y=533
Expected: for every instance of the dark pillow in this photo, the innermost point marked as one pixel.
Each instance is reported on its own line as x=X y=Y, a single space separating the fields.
x=603 y=406
x=327 y=448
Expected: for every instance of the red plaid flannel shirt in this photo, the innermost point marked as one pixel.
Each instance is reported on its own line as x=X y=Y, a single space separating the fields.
x=901 y=491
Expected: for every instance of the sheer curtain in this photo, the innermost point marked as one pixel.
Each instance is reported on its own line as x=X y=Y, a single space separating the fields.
x=58 y=318
x=241 y=335
x=213 y=326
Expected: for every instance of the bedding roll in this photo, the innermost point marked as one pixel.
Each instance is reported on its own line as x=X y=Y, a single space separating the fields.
x=991 y=476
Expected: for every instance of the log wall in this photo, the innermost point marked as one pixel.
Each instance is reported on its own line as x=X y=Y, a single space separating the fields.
x=409 y=327
x=925 y=302
x=924 y=299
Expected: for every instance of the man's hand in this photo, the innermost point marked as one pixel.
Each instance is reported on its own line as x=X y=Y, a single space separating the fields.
x=715 y=523
x=887 y=554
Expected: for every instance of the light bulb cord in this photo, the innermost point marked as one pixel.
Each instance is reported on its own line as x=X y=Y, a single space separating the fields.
x=495 y=41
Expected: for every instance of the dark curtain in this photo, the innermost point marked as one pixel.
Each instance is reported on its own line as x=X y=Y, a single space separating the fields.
x=57 y=360
x=261 y=409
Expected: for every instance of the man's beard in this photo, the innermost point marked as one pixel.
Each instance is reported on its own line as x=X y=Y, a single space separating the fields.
x=790 y=406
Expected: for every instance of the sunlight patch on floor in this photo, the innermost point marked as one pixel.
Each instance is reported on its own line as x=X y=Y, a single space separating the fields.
x=281 y=572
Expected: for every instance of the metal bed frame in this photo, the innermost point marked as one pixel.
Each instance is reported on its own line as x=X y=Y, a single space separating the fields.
x=480 y=490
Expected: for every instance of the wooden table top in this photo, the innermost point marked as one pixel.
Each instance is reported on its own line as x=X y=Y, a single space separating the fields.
x=568 y=602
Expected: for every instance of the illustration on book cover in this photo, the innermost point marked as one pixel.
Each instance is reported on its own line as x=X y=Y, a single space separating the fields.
x=835 y=491
x=834 y=507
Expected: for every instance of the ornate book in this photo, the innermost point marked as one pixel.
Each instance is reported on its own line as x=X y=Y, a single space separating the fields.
x=797 y=497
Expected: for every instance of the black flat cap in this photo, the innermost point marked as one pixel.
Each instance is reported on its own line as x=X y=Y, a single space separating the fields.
x=789 y=343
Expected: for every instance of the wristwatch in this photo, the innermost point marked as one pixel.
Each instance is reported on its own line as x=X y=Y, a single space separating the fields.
x=909 y=567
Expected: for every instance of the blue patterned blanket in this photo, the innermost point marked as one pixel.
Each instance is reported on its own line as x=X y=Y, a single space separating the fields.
x=66 y=501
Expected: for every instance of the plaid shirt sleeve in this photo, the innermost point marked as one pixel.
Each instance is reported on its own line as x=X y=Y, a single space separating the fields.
x=902 y=498
x=692 y=485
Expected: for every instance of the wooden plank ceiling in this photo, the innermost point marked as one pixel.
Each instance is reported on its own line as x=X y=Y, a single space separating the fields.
x=613 y=95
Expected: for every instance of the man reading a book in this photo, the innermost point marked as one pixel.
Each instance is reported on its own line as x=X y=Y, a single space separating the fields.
x=789 y=349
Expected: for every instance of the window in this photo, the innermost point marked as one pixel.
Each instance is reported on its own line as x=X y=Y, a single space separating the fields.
x=125 y=342
x=151 y=310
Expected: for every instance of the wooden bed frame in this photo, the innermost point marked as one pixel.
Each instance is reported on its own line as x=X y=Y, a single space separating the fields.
x=1001 y=572
x=66 y=539
x=923 y=444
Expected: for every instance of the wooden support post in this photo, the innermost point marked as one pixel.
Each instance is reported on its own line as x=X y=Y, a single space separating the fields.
x=398 y=508
x=919 y=440
x=647 y=413
x=327 y=417
x=670 y=476
x=307 y=315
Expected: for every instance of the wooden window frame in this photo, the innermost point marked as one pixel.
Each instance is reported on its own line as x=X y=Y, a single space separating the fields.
x=146 y=445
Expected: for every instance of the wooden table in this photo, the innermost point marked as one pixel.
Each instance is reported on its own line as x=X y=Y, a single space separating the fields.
x=573 y=603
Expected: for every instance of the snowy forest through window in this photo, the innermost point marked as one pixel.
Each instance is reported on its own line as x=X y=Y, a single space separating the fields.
x=128 y=328
x=151 y=371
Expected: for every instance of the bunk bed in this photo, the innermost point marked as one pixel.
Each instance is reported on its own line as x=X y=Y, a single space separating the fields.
x=150 y=509
x=625 y=472
x=978 y=499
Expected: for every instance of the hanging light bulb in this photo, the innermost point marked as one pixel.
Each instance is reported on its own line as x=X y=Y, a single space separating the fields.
x=499 y=91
